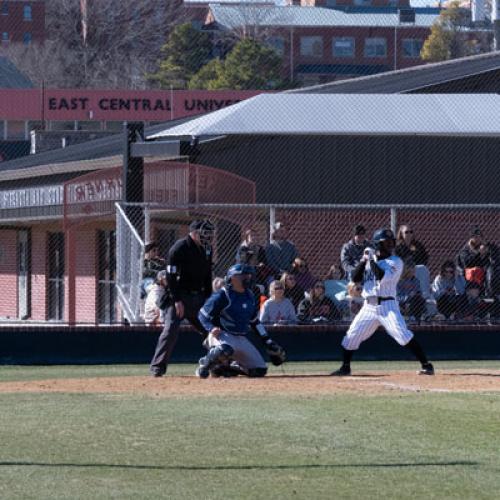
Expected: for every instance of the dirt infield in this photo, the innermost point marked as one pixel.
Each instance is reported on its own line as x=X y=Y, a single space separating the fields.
x=305 y=384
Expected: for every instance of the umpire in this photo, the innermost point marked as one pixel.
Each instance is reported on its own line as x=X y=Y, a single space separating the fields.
x=189 y=277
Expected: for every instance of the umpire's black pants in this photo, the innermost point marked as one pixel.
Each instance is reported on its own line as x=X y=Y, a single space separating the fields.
x=193 y=302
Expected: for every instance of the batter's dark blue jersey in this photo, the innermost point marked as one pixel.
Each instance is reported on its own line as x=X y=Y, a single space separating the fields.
x=230 y=311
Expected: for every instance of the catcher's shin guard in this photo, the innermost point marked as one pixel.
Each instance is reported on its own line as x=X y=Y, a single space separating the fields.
x=216 y=355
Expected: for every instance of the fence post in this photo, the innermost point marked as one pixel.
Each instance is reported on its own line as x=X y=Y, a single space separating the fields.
x=272 y=221
x=394 y=220
x=147 y=224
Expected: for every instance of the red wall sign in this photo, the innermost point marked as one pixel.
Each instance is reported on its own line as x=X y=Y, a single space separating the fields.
x=120 y=105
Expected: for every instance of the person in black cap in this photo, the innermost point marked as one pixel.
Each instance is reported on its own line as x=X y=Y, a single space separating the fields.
x=189 y=279
x=352 y=251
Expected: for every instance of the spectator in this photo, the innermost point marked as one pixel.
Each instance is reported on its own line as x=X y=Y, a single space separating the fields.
x=249 y=247
x=409 y=248
x=411 y=301
x=335 y=282
x=302 y=274
x=351 y=301
x=153 y=314
x=217 y=284
x=280 y=252
x=448 y=289
x=153 y=263
x=474 y=258
x=318 y=307
x=293 y=290
x=263 y=273
x=277 y=310
x=412 y=250
x=472 y=308
x=352 y=251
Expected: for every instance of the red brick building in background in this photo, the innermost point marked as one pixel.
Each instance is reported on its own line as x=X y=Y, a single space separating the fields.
x=22 y=21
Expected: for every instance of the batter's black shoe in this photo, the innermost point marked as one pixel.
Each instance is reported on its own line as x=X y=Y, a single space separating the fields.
x=427 y=369
x=343 y=371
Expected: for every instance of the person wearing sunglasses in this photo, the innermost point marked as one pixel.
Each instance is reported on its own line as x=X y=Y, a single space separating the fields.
x=318 y=308
x=409 y=248
x=277 y=310
x=448 y=288
x=413 y=252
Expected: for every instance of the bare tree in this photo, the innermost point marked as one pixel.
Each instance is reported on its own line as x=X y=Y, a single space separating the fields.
x=99 y=43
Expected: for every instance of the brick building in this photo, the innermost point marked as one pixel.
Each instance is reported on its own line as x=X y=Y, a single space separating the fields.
x=22 y=21
x=320 y=45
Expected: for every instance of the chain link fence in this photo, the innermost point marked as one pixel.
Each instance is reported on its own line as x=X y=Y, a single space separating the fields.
x=431 y=241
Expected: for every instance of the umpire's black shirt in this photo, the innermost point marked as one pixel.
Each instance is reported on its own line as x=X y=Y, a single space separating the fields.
x=189 y=268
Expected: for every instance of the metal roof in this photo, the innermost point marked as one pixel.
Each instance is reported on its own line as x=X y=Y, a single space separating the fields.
x=232 y=17
x=91 y=155
x=11 y=77
x=350 y=114
x=411 y=79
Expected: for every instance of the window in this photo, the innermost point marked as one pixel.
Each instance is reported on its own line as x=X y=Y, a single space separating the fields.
x=412 y=47
x=363 y=3
x=277 y=43
x=27 y=13
x=343 y=46
x=375 y=47
x=27 y=38
x=106 y=295
x=5 y=37
x=56 y=276
x=5 y=8
x=311 y=46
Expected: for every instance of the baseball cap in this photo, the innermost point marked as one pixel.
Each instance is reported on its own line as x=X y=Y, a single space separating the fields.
x=476 y=232
x=195 y=225
x=359 y=229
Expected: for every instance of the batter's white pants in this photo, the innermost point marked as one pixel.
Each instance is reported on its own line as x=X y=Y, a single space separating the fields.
x=245 y=353
x=370 y=317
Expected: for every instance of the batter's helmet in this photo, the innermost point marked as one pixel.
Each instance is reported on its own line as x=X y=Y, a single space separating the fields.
x=382 y=235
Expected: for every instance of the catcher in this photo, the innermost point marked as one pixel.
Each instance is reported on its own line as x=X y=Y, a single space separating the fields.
x=228 y=315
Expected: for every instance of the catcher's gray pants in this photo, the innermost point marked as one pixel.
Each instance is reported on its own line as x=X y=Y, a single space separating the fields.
x=193 y=302
x=245 y=353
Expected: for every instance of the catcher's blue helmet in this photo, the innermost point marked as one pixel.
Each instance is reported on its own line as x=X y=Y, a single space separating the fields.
x=238 y=269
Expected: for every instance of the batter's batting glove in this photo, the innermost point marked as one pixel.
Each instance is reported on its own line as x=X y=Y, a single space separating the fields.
x=276 y=353
x=369 y=253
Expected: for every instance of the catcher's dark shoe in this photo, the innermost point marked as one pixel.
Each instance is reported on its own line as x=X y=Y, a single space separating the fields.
x=343 y=371
x=157 y=374
x=427 y=369
x=203 y=370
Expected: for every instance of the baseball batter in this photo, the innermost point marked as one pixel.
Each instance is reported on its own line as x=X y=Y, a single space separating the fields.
x=379 y=271
x=228 y=315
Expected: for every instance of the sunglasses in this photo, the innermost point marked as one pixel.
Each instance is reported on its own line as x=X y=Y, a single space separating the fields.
x=409 y=232
x=278 y=288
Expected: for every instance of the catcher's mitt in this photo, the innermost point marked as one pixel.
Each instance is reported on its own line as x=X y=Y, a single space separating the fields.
x=276 y=353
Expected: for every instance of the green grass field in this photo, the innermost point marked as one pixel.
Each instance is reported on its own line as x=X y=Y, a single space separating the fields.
x=398 y=445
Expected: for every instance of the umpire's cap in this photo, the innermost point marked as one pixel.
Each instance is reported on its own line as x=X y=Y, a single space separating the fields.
x=383 y=235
